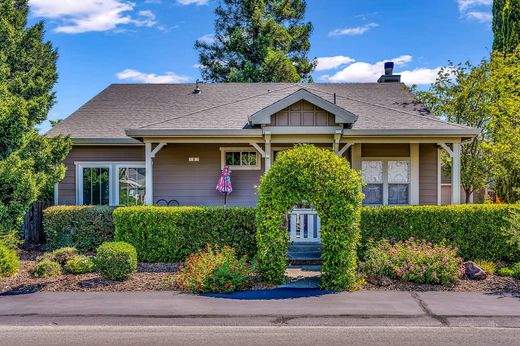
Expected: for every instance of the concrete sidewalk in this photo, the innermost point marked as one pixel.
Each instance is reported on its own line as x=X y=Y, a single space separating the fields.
x=423 y=308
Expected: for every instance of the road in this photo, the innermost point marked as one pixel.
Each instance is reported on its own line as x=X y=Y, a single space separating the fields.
x=252 y=336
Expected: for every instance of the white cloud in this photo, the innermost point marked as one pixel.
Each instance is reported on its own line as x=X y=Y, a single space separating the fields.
x=78 y=16
x=483 y=17
x=333 y=62
x=208 y=38
x=359 y=30
x=193 y=2
x=479 y=10
x=363 y=72
x=466 y=4
x=141 y=77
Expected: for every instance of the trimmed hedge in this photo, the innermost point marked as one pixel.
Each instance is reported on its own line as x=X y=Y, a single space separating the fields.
x=82 y=227
x=170 y=234
x=116 y=260
x=476 y=230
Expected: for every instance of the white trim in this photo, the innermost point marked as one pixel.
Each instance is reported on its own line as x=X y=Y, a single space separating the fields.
x=157 y=148
x=268 y=159
x=445 y=147
x=260 y=150
x=344 y=149
x=455 y=174
x=303 y=130
x=148 y=199
x=113 y=187
x=385 y=160
x=224 y=150
x=56 y=194
x=439 y=177
x=116 y=178
x=414 y=174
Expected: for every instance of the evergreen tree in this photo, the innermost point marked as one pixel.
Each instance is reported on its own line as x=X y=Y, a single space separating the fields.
x=506 y=25
x=29 y=162
x=258 y=41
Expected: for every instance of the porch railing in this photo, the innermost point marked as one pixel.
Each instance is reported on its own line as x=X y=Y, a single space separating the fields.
x=304 y=225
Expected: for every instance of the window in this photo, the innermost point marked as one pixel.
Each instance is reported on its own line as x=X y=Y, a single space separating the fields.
x=240 y=158
x=387 y=182
x=110 y=183
x=96 y=186
x=131 y=186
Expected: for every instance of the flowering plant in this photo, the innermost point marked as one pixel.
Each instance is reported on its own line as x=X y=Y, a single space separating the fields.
x=415 y=261
x=215 y=269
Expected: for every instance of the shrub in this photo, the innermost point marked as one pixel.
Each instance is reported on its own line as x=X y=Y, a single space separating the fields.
x=516 y=270
x=83 y=227
x=488 y=266
x=415 y=261
x=478 y=231
x=116 y=260
x=321 y=179
x=215 y=269
x=46 y=268
x=9 y=261
x=505 y=272
x=79 y=264
x=62 y=255
x=166 y=234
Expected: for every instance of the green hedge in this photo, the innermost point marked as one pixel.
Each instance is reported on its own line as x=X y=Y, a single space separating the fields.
x=476 y=230
x=84 y=227
x=166 y=234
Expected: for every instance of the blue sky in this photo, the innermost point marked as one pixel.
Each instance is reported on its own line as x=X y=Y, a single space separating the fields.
x=118 y=41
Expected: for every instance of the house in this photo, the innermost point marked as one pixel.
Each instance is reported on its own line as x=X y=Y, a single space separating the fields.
x=153 y=143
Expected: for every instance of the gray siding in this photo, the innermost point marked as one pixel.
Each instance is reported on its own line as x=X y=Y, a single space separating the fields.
x=428 y=174
x=385 y=150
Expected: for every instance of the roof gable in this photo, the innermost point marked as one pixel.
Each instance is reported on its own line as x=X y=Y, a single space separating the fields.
x=341 y=115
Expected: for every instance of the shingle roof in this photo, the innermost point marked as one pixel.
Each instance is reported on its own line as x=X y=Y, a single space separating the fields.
x=227 y=106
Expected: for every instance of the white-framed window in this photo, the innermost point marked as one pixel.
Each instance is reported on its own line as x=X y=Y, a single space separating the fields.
x=244 y=158
x=110 y=183
x=387 y=181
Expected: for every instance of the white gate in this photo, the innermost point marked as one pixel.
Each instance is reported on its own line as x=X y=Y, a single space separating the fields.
x=304 y=225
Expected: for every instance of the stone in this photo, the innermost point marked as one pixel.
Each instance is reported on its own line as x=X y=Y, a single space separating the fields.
x=473 y=272
x=377 y=280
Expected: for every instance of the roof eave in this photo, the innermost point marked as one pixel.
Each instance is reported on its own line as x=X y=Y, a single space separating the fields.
x=194 y=132
x=462 y=132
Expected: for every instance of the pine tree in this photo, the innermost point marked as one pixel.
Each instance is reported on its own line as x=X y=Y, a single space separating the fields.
x=29 y=162
x=258 y=41
x=506 y=25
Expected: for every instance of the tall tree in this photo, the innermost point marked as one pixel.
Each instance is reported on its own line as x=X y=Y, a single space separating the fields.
x=506 y=25
x=462 y=94
x=29 y=162
x=258 y=41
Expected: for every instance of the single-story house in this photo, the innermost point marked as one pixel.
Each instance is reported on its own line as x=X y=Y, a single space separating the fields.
x=150 y=143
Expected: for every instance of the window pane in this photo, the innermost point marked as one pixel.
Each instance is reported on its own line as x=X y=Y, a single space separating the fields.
x=132 y=184
x=398 y=193
x=398 y=172
x=372 y=172
x=233 y=158
x=373 y=194
x=248 y=159
x=96 y=188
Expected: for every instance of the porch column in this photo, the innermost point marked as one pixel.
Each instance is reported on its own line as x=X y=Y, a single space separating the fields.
x=455 y=174
x=149 y=155
x=148 y=198
x=414 y=174
x=267 y=158
x=356 y=156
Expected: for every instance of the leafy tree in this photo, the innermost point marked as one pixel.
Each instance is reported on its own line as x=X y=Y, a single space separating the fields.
x=505 y=125
x=258 y=41
x=462 y=94
x=28 y=161
x=506 y=25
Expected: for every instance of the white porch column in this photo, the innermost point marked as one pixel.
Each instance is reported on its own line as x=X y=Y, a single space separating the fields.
x=414 y=174
x=148 y=198
x=267 y=158
x=455 y=174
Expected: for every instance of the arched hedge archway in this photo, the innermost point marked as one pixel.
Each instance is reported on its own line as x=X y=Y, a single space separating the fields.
x=322 y=179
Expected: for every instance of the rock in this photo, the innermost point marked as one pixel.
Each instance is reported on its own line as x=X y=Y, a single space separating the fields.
x=379 y=280
x=473 y=271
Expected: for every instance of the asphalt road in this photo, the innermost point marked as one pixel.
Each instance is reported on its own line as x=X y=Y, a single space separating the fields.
x=252 y=336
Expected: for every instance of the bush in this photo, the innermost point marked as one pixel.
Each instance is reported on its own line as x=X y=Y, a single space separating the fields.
x=116 y=260
x=215 y=269
x=415 y=261
x=505 y=272
x=62 y=255
x=46 y=268
x=79 y=264
x=83 y=227
x=166 y=234
x=319 y=178
x=478 y=231
x=488 y=266
x=9 y=261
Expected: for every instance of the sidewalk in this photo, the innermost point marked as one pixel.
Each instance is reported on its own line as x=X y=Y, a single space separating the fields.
x=416 y=308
